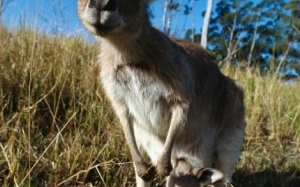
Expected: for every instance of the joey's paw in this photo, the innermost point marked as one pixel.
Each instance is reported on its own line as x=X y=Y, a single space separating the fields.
x=146 y=172
x=163 y=167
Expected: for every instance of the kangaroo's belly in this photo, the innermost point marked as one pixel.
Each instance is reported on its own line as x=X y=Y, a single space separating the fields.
x=146 y=99
x=149 y=110
x=148 y=102
x=197 y=154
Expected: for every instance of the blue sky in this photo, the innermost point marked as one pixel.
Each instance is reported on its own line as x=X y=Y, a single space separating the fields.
x=59 y=16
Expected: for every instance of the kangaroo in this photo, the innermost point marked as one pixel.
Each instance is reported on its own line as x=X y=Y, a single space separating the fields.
x=169 y=95
x=183 y=175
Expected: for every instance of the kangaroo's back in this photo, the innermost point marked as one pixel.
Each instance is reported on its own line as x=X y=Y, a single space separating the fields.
x=222 y=95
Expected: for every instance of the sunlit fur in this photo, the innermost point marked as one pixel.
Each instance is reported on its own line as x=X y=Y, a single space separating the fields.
x=170 y=96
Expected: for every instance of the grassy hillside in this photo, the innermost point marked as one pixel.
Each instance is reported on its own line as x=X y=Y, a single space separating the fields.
x=57 y=128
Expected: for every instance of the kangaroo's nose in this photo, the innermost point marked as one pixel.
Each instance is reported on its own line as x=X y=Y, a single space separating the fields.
x=103 y=5
x=92 y=4
x=110 y=5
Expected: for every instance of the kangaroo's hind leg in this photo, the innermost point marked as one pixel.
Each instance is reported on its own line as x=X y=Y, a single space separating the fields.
x=228 y=150
x=231 y=137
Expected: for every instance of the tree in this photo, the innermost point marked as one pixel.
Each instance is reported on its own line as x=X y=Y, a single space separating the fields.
x=294 y=19
x=206 y=23
x=278 y=40
x=265 y=34
x=169 y=7
x=229 y=28
x=254 y=39
x=272 y=35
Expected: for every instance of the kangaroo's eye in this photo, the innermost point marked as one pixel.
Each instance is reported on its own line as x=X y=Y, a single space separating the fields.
x=92 y=3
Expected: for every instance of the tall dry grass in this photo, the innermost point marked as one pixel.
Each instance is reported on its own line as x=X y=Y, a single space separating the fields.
x=57 y=128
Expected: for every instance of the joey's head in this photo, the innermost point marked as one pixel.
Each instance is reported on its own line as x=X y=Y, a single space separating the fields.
x=109 y=18
x=184 y=175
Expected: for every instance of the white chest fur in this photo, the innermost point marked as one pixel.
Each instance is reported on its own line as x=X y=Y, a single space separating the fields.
x=144 y=95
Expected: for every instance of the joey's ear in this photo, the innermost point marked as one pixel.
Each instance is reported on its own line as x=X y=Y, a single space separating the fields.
x=207 y=176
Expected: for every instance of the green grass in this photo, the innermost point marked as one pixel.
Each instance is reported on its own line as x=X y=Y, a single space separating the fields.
x=58 y=129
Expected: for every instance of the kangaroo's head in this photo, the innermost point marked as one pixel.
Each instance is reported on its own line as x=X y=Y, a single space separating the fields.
x=107 y=18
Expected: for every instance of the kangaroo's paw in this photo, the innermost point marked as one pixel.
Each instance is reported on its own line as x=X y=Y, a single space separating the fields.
x=145 y=171
x=163 y=167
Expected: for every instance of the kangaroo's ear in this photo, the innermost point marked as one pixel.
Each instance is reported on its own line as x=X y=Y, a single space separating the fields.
x=207 y=176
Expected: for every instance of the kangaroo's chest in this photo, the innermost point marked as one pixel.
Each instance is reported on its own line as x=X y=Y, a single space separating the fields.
x=145 y=96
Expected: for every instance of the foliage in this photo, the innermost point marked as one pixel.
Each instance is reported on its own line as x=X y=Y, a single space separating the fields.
x=228 y=26
x=265 y=34
x=57 y=128
x=294 y=19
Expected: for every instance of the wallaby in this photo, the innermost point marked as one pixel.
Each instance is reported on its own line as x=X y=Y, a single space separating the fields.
x=169 y=95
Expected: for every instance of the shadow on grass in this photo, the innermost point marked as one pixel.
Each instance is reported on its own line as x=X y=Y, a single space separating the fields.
x=242 y=178
x=267 y=178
